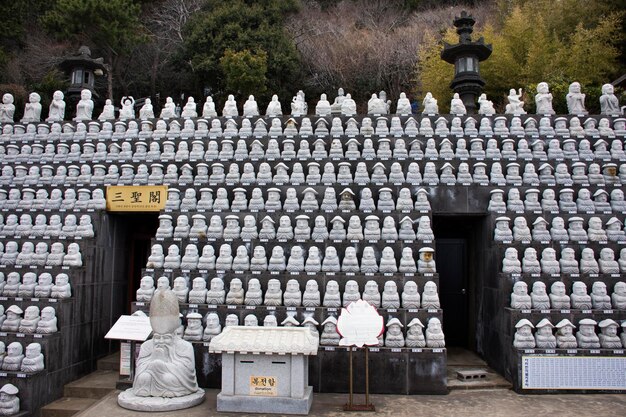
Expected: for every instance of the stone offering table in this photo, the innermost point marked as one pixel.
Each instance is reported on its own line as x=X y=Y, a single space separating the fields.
x=265 y=369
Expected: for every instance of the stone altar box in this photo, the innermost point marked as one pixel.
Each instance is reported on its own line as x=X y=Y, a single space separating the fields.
x=265 y=369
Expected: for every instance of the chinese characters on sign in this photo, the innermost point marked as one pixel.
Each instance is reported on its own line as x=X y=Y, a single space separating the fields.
x=263 y=386
x=573 y=372
x=136 y=198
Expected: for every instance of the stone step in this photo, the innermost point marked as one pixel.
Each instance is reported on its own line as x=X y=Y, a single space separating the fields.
x=67 y=406
x=110 y=363
x=471 y=374
x=489 y=380
x=95 y=385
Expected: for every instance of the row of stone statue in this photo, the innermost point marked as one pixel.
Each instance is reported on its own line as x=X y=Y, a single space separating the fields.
x=202 y=128
x=567 y=264
x=33 y=321
x=576 y=232
x=292 y=296
x=41 y=199
x=74 y=175
x=28 y=255
x=553 y=149
x=45 y=227
x=559 y=300
x=295 y=262
x=292 y=201
x=9 y=401
x=14 y=359
x=580 y=174
x=584 y=203
x=303 y=230
x=585 y=338
x=32 y=286
x=393 y=336
x=343 y=104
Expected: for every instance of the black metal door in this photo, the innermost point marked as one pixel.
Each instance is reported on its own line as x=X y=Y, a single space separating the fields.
x=451 y=257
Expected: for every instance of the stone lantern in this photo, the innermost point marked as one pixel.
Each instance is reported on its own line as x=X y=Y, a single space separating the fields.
x=82 y=70
x=465 y=56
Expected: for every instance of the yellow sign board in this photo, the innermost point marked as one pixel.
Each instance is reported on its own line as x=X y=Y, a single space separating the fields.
x=263 y=386
x=136 y=198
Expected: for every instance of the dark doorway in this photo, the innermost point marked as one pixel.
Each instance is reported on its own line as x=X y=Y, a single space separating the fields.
x=139 y=230
x=458 y=246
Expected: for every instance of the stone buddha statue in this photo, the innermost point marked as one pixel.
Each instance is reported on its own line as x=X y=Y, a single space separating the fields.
x=166 y=365
x=524 y=335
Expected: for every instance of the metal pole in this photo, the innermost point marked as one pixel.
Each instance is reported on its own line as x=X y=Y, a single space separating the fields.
x=351 y=379
x=367 y=377
x=131 y=375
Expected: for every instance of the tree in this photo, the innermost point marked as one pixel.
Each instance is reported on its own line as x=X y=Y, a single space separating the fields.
x=244 y=72
x=241 y=25
x=532 y=44
x=112 y=26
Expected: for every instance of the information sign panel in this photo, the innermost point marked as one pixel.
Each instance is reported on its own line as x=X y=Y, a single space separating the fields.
x=573 y=372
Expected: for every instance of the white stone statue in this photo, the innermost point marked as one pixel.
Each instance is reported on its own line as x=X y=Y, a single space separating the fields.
x=84 y=108
x=165 y=377
x=9 y=401
x=608 y=334
x=33 y=360
x=524 y=335
x=565 y=338
x=544 y=339
x=348 y=106
x=189 y=111
x=208 y=110
x=332 y=297
x=543 y=99
x=558 y=299
x=539 y=298
x=213 y=327
x=61 y=287
x=146 y=111
x=618 y=298
x=485 y=106
x=519 y=297
x=13 y=359
x=434 y=334
x=430 y=297
x=429 y=105
x=274 y=108
x=456 y=105
x=586 y=335
x=609 y=103
x=404 y=105
x=329 y=336
x=56 y=112
x=394 y=337
x=575 y=100
x=7 y=109
x=108 y=111
x=516 y=105
x=127 y=110
x=32 y=109
x=579 y=298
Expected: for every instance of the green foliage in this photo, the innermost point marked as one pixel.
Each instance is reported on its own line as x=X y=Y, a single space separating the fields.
x=241 y=25
x=433 y=73
x=538 y=40
x=109 y=24
x=244 y=72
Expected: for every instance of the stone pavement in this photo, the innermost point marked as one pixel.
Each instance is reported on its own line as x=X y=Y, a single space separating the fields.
x=483 y=403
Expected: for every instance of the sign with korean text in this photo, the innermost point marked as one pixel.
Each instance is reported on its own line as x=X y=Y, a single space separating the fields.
x=265 y=386
x=136 y=198
x=574 y=372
